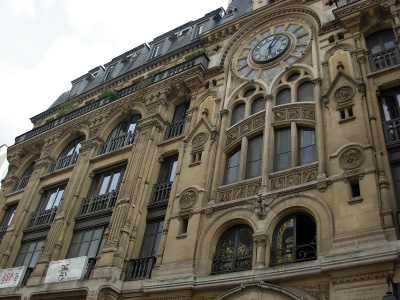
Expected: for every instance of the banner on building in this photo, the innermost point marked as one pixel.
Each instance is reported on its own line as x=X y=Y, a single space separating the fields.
x=11 y=277
x=66 y=269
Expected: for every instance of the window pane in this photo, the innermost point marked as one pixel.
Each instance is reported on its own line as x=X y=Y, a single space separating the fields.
x=258 y=105
x=50 y=202
x=58 y=198
x=390 y=107
x=232 y=166
x=307 y=148
x=282 y=149
x=173 y=170
x=104 y=185
x=237 y=114
x=283 y=97
x=114 y=182
x=254 y=157
x=305 y=92
x=249 y=92
x=388 y=39
x=94 y=245
x=83 y=249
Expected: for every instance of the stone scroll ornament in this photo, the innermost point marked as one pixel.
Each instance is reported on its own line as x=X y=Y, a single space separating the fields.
x=188 y=199
x=351 y=158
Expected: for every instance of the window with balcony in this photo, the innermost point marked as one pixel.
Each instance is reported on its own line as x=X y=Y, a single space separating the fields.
x=103 y=192
x=23 y=181
x=294 y=240
x=162 y=189
x=284 y=141
x=68 y=156
x=234 y=251
x=47 y=208
x=7 y=218
x=390 y=111
x=258 y=105
x=122 y=135
x=177 y=125
x=383 y=50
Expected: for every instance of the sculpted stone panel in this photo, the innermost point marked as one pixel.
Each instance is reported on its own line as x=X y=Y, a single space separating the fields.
x=303 y=112
x=351 y=158
x=188 y=199
x=239 y=190
x=294 y=177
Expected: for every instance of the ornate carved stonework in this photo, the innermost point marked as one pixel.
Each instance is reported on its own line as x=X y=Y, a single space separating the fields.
x=351 y=158
x=262 y=203
x=188 y=199
x=343 y=94
x=295 y=112
x=239 y=190
x=294 y=176
x=199 y=139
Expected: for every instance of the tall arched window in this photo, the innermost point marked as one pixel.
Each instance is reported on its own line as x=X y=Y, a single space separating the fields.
x=294 y=240
x=237 y=114
x=258 y=105
x=234 y=250
x=68 y=156
x=23 y=181
x=122 y=135
x=283 y=97
x=305 y=92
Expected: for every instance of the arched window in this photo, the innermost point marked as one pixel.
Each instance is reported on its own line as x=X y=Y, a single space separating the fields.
x=122 y=135
x=234 y=250
x=254 y=157
x=383 y=49
x=283 y=97
x=294 y=240
x=258 y=105
x=305 y=92
x=68 y=156
x=23 y=181
x=237 y=114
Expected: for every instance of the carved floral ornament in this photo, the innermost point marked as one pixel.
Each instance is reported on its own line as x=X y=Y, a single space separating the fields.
x=343 y=94
x=199 y=139
x=188 y=199
x=351 y=158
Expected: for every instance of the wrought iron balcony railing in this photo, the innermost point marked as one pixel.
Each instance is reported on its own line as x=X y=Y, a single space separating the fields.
x=140 y=268
x=21 y=184
x=117 y=143
x=3 y=230
x=174 y=129
x=341 y=3
x=44 y=217
x=98 y=203
x=294 y=254
x=201 y=60
x=160 y=194
x=232 y=264
x=90 y=266
x=64 y=162
x=384 y=59
x=391 y=130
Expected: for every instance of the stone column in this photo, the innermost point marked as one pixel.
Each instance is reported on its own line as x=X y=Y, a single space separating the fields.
x=260 y=240
x=320 y=129
x=267 y=143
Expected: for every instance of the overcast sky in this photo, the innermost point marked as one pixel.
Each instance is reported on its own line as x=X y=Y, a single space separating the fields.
x=45 y=44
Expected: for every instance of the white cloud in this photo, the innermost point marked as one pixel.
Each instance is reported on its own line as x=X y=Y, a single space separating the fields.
x=22 y=8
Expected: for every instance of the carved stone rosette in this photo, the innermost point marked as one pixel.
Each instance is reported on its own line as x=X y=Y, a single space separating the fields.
x=188 y=199
x=351 y=158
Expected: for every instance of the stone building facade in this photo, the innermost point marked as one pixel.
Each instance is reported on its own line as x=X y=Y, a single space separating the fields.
x=250 y=154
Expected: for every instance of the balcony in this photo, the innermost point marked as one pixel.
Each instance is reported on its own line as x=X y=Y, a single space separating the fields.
x=232 y=264
x=93 y=204
x=201 y=60
x=391 y=130
x=384 y=59
x=117 y=143
x=342 y=3
x=64 y=162
x=44 y=217
x=140 y=268
x=160 y=194
x=294 y=254
x=21 y=184
x=174 y=129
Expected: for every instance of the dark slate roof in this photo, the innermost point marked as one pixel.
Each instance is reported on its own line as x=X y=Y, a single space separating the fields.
x=236 y=9
x=60 y=99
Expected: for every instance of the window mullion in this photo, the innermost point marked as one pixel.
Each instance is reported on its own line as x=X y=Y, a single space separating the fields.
x=294 y=145
x=243 y=159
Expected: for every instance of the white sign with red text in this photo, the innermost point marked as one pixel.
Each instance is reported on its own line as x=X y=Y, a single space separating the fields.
x=66 y=269
x=11 y=277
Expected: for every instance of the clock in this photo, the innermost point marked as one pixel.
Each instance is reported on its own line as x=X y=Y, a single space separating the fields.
x=270 y=48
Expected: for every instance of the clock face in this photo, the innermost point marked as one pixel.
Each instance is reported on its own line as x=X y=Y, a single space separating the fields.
x=270 y=48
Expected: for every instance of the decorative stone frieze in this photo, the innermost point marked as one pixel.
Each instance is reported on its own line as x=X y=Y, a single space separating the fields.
x=239 y=190
x=246 y=127
x=293 y=177
x=295 y=112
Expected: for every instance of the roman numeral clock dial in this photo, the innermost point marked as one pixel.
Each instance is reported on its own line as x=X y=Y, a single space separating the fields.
x=270 y=50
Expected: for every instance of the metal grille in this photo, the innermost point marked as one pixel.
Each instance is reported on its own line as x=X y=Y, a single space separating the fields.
x=44 y=217
x=117 y=143
x=64 y=162
x=175 y=129
x=140 y=268
x=98 y=203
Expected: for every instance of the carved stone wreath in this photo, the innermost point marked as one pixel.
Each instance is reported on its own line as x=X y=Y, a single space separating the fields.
x=188 y=199
x=351 y=158
x=343 y=94
x=199 y=139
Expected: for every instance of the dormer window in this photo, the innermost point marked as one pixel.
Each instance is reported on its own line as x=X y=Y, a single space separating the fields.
x=109 y=73
x=94 y=74
x=184 y=31
x=156 y=51
x=199 y=29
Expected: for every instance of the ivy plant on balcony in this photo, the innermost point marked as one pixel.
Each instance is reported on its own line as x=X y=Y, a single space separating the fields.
x=109 y=93
x=65 y=108
x=197 y=53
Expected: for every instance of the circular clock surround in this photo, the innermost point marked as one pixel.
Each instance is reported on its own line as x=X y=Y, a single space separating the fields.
x=270 y=48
